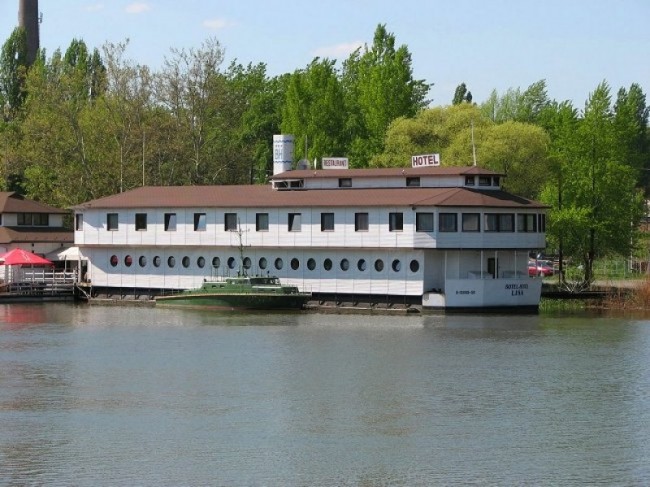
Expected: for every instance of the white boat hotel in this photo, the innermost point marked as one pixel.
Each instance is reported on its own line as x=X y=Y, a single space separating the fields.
x=440 y=237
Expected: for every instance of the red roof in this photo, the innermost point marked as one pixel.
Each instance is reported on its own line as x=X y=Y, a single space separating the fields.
x=263 y=196
x=385 y=172
x=12 y=202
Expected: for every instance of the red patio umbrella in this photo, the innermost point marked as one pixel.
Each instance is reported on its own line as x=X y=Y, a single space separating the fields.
x=20 y=256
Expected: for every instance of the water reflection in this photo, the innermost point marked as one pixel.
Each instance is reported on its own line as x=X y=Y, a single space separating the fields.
x=97 y=395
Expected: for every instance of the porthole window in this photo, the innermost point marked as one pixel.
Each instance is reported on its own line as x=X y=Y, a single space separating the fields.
x=200 y=262
x=142 y=261
x=247 y=263
x=216 y=262
x=278 y=263
x=156 y=261
x=327 y=264
x=171 y=261
x=295 y=264
x=379 y=265
x=114 y=260
x=263 y=263
x=361 y=265
x=128 y=260
x=311 y=264
x=414 y=266
x=345 y=264
x=231 y=262
x=396 y=265
x=186 y=261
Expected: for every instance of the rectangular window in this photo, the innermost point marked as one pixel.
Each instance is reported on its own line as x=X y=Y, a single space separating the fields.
x=199 y=222
x=24 y=219
x=499 y=222
x=345 y=182
x=361 y=222
x=413 y=182
x=262 y=222
x=491 y=222
x=424 y=222
x=526 y=222
x=448 y=222
x=507 y=222
x=111 y=222
x=230 y=222
x=495 y=181
x=471 y=222
x=469 y=180
x=41 y=219
x=541 y=225
x=484 y=181
x=79 y=222
x=395 y=222
x=294 y=222
x=33 y=219
x=141 y=221
x=327 y=222
x=170 y=222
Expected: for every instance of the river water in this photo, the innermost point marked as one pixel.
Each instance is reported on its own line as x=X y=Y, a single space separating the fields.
x=93 y=395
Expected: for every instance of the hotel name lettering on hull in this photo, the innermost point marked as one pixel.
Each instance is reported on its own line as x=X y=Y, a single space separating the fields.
x=516 y=289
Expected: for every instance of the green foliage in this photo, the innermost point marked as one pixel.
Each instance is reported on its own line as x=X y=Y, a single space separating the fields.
x=515 y=105
x=13 y=68
x=462 y=95
x=379 y=88
x=314 y=110
x=596 y=207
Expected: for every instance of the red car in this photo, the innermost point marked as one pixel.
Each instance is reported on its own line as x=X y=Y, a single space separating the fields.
x=541 y=268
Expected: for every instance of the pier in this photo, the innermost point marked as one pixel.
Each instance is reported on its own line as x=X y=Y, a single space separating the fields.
x=37 y=284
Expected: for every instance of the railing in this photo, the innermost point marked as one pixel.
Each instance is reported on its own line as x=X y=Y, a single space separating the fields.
x=41 y=282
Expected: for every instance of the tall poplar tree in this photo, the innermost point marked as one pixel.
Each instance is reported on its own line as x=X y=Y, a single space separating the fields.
x=314 y=111
x=379 y=87
x=13 y=69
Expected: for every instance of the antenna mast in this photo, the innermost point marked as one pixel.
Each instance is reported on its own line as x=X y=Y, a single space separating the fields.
x=473 y=145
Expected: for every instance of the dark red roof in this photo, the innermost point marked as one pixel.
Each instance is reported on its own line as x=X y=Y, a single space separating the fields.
x=385 y=172
x=12 y=202
x=260 y=196
x=35 y=235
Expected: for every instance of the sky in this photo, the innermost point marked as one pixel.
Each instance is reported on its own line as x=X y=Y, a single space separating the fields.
x=488 y=44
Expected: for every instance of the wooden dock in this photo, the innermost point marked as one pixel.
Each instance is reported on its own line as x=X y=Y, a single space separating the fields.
x=34 y=285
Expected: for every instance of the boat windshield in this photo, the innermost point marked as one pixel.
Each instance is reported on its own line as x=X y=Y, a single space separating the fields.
x=265 y=281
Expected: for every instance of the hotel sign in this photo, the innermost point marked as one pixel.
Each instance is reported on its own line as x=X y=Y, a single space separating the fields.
x=335 y=163
x=425 y=160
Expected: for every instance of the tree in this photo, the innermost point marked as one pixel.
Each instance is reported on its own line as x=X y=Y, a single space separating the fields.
x=560 y=120
x=515 y=105
x=462 y=95
x=600 y=206
x=13 y=69
x=379 y=88
x=314 y=110
x=190 y=88
x=631 y=130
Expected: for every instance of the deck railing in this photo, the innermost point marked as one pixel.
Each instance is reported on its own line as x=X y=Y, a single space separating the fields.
x=40 y=281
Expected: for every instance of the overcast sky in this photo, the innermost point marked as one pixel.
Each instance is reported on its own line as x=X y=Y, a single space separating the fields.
x=488 y=44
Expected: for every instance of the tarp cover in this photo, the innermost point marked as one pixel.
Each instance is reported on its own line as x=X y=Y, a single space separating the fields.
x=22 y=257
x=70 y=253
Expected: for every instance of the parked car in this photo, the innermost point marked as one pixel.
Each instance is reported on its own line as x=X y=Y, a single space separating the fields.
x=542 y=268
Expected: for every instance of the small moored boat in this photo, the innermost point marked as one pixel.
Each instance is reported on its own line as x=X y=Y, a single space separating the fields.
x=241 y=292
